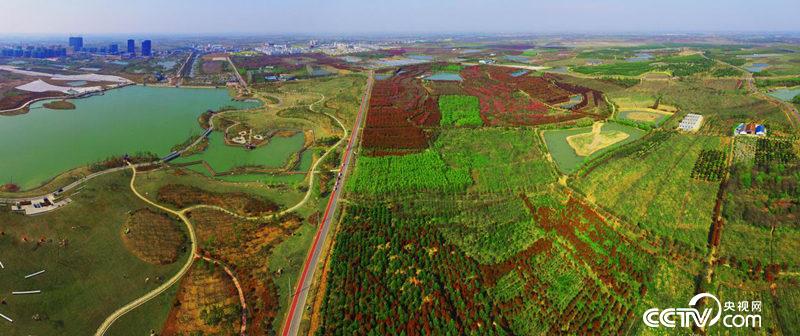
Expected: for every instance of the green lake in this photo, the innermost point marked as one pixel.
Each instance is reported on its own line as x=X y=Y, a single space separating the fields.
x=223 y=158
x=43 y=143
x=786 y=94
x=567 y=160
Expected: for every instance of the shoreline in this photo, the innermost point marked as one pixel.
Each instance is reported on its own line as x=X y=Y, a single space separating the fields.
x=67 y=97
x=13 y=111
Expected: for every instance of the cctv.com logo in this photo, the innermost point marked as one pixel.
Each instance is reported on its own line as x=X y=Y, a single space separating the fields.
x=733 y=316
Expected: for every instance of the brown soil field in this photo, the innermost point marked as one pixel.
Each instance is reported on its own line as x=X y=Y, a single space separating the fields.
x=206 y=304
x=246 y=247
x=183 y=196
x=212 y=67
x=153 y=237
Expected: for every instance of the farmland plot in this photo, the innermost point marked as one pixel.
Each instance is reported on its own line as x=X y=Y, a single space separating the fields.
x=498 y=159
x=654 y=188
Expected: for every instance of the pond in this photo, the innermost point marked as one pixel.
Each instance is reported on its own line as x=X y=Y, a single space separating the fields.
x=421 y=57
x=757 y=67
x=573 y=100
x=444 y=76
x=222 y=158
x=383 y=63
x=519 y=73
x=43 y=143
x=640 y=57
x=786 y=94
x=516 y=58
x=77 y=83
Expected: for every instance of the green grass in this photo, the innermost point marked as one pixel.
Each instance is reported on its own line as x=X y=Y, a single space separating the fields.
x=509 y=287
x=447 y=68
x=149 y=316
x=625 y=115
x=460 y=110
x=86 y=280
x=615 y=69
x=567 y=160
x=148 y=184
x=686 y=65
x=411 y=172
x=288 y=257
x=654 y=188
x=498 y=159
x=490 y=233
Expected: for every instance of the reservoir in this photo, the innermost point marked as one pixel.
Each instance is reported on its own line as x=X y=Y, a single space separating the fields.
x=39 y=145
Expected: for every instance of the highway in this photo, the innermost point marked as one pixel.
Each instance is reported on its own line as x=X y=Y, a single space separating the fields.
x=293 y=318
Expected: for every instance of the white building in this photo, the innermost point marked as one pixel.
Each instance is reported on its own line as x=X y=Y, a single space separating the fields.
x=691 y=122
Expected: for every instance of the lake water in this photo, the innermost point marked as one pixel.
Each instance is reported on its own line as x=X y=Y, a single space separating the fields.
x=517 y=58
x=223 y=158
x=757 y=67
x=444 y=76
x=519 y=73
x=573 y=100
x=383 y=63
x=43 y=143
x=640 y=57
x=77 y=83
x=786 y=94
x=561 y=70
x=421 y=57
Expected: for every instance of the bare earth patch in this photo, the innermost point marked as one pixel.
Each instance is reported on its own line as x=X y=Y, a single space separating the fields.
x=153 y=237
x=206 y=304
x=587 y=143
x=183 y=196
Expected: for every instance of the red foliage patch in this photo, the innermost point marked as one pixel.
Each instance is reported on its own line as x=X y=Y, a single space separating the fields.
x=399 y=107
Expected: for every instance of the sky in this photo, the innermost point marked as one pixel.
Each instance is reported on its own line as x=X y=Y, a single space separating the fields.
x=69 y=17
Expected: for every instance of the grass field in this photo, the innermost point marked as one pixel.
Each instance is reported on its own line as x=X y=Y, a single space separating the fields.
x=615 y=69
x=653 y=188
x=644 y=115
x=568 y=159
x=89 y=270
x=498 y=159
x=460 y=110
x=148 y=183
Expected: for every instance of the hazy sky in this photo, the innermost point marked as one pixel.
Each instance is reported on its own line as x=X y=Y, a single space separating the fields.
x=65 y=17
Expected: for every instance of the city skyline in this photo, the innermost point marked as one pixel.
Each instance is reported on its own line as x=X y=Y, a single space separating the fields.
x=85 y=17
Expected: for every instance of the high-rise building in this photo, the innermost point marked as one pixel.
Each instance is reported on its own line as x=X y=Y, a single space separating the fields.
x=113 y=48
x=76 y=42
x=146 y=48
x=132 y=47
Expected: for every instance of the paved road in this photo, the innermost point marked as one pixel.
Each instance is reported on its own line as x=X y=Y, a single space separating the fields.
x=76 y=183
x=292 y=325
